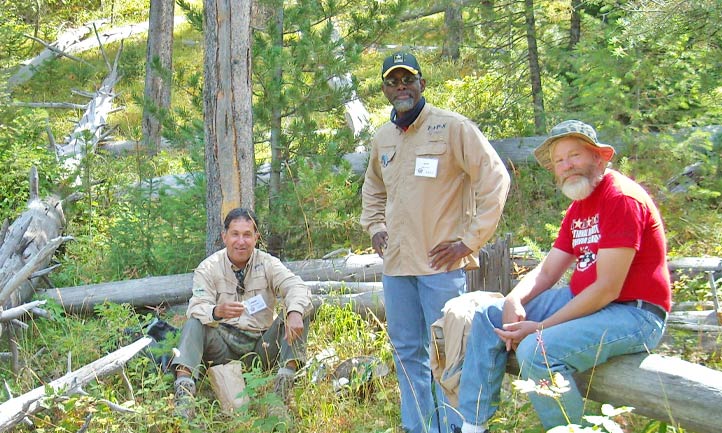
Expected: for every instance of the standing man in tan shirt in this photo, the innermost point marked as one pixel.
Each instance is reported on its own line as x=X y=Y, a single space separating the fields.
x=232 y=314
x=432 y=197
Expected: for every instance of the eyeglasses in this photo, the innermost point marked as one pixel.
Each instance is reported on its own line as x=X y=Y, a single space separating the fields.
x=240 y=275
x=406 y=80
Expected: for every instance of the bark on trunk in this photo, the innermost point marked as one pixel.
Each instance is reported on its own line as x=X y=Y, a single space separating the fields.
x=228 y=117
x=158 y=71
x=89 y=130
x=534 y=69
x=27 y=246
x=454 y=30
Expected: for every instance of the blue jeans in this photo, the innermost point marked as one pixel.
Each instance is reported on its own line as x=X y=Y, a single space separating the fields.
x=412 y=304
x=573 y=346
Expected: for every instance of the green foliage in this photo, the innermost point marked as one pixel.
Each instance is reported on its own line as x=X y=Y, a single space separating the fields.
x=635 y=71
x=12 y=28
x=159 y=235
x=318 y=211
x=534 y=207
x=22 y=146
x=486 y=99
x=647 y=70
x=689 y=214
x=148 y=394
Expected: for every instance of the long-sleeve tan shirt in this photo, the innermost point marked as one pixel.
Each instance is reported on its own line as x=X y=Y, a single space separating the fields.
x=440 y=180
x=214 y=282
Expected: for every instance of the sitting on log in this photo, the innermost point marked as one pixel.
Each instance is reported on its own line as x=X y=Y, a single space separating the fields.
x=616 y=303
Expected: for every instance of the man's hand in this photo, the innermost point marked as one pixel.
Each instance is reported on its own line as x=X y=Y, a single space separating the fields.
x=513 y=333
x=513 y=312
x=229 y=310
x=378 y=241
x=294 y=326
x=448 y=253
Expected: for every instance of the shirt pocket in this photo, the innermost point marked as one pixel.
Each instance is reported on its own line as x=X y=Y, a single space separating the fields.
x=226 y=289
x=437 y=151
x=432 y=149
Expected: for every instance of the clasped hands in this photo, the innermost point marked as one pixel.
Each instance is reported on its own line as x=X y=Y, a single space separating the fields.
x=515 y=326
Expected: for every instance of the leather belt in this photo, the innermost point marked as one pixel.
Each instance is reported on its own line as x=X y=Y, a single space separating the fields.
x=647 y=306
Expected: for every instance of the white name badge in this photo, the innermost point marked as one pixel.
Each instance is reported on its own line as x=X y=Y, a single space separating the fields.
x=254 y=304
x=426 y=167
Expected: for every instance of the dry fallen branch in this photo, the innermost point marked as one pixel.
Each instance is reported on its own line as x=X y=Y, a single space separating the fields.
x=14 y=410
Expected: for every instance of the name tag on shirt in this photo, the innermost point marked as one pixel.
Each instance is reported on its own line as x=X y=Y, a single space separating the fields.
x=426 y=167
x=254 y=304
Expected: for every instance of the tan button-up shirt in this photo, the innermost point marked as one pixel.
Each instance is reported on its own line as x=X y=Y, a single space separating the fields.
x=440 y=180
x=214 y=282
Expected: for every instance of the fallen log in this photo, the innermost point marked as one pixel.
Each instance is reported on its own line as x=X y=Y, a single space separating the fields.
x=167 y=290
x=61 y=45
x=25 y=248
x=74 y=41
x=150 y=291
x=356 y=269
x=14 y=410
x=176 y=289
x=87 y=133
x=665 y=388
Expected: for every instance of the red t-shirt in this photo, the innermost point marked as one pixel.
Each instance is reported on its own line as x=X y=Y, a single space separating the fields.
x=618 y=214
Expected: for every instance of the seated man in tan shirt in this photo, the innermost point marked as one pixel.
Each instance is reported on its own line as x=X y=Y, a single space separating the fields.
x=232 y=314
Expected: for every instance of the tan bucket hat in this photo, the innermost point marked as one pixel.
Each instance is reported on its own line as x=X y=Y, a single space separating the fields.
x=573 y=128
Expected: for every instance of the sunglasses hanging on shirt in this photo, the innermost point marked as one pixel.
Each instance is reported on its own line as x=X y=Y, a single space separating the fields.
x=240 y=287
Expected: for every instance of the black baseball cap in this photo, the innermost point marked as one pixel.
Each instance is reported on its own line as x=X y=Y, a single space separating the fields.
x=400 y=60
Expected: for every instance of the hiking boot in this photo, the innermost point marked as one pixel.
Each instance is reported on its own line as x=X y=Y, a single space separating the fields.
x=282 y=386
x=185 y=391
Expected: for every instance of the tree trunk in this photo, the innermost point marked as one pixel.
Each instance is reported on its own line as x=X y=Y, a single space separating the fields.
x=24 y=247
x=227 y=97
x=575 y=24
x=534 y=69
x=14 y=410
x=158 y=71
x=88 y=132
x=275 y=242
x=454 y=24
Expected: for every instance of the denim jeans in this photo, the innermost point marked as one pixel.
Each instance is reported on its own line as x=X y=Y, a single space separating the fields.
x=573 y=346
x=412 y=304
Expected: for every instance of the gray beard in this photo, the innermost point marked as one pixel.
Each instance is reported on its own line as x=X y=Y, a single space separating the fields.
x=403 y=105
x=578 y=189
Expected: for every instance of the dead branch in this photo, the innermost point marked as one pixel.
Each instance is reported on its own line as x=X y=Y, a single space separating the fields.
x=36 y=261
x=57 y=51
x=60 y=105
x=20 y=311
x=14 y=410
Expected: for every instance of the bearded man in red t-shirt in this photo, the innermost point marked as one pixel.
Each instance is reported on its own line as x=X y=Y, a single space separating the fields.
x=616 y=301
